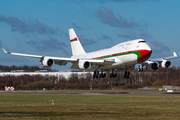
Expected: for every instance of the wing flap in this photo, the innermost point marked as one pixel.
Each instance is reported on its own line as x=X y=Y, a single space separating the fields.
x=61 y=62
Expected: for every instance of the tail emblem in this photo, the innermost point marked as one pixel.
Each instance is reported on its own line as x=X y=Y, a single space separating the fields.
x=75 y=39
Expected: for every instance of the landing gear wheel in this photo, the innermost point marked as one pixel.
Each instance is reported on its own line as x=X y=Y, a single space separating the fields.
x=104 y=75
x=99 y=75
x=113 y=75
x=126 y=74
x=96 y=74
x=140 y=69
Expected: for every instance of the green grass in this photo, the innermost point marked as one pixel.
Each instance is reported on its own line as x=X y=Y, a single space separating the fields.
x=88 y=107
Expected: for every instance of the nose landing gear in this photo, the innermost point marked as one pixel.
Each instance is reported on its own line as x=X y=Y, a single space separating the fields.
x=140 y=69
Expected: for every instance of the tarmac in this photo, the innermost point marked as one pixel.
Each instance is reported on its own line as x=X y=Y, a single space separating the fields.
x=94 y=92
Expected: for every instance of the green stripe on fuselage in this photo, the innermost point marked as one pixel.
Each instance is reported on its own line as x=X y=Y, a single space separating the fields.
x=137 y=53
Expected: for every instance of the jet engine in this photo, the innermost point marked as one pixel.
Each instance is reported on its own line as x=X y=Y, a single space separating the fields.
x=84 y=64
x=166 y=64
x=47 y=62
x=152 y=65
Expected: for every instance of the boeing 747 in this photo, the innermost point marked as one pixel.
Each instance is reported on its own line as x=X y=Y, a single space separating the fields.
x=123 y=56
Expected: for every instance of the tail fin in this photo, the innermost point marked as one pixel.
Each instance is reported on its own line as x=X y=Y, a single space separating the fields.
x=76 y=46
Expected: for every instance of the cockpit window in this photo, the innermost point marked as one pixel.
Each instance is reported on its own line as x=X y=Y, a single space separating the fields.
x=142 y=42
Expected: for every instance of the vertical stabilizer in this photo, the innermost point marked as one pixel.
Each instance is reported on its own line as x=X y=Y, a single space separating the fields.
x=76 y=46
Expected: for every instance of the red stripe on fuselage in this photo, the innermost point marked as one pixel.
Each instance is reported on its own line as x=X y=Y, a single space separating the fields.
x=144 y=54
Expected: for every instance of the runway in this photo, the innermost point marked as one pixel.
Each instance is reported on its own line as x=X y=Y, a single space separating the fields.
x=93 y=92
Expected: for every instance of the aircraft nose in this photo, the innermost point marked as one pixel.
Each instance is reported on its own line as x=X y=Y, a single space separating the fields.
x=148 y=48
x=145 y=54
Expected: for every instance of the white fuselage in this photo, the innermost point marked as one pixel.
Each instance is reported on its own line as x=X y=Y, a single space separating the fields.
x=126 y=53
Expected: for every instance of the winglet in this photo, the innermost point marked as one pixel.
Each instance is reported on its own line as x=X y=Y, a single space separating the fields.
x=5 y=51
x=175 y=55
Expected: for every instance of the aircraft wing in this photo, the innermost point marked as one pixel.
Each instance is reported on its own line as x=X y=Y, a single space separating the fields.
x=164 y=58
x=61 y=60
x=41 y=57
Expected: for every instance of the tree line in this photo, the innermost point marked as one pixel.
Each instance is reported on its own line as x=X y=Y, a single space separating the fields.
x=74 y=81
x=24 y=68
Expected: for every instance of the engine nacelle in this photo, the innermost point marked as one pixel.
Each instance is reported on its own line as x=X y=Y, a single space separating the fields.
x=47 y=62
x=166 y=64
x=84 y=64
x=152 y=66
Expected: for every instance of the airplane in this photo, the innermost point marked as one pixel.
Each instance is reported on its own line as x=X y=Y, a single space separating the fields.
x=123 y=56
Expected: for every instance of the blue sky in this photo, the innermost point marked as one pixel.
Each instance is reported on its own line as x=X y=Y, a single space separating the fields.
x=40 y=27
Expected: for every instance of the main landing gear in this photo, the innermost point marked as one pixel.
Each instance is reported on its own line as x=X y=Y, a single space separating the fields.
x=113 y=74
x=99 y=75
x=102 y=74
x=126 y=74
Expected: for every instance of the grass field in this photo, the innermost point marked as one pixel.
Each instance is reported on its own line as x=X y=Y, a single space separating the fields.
x=87 y=107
